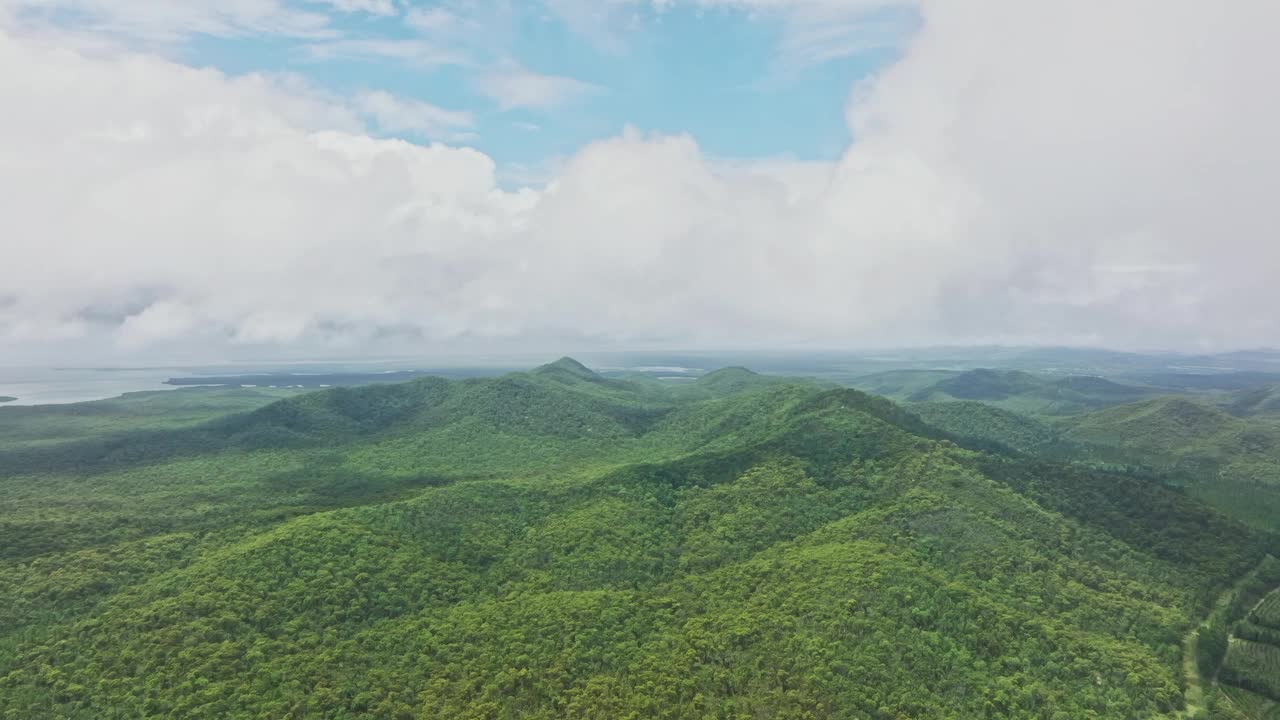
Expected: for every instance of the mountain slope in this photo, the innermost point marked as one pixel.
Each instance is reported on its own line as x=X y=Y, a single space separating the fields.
x=1175 y=431
x=1032 y=394
x=1229 y=462
x=36 y=425
x=987 y=423
x=596 y=549
x=900 y=384
x=985 y=384
x=1261 y=401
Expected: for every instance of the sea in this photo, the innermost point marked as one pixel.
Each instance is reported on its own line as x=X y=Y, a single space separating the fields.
x=43 y=386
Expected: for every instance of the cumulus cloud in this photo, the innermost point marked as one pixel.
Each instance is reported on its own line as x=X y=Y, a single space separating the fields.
x=1027 y=172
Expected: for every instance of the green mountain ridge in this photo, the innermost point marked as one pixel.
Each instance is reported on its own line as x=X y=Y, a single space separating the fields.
x=557 y=544
x=1013 y=390
x=984 y=384
x=1175 y=429
x=1261 y=401
x=986 y=423
x=570 y=367
x=731 y=378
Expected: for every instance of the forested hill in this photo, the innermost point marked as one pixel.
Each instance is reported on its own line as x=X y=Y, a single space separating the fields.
x=1263 y=401
x=1009 y=389
x=559 y=544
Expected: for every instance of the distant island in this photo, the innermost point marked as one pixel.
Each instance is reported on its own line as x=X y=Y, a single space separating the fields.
x=7 y=398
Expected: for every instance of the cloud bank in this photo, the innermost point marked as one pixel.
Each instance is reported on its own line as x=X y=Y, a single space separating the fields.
x=1053 y=172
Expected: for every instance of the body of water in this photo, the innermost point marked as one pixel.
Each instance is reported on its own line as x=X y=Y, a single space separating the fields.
x=41 y=386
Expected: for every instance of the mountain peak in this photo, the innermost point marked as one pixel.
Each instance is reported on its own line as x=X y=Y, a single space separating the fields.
x=567 y=365
x=988 y=384
x=733 y=379
x=731 y=371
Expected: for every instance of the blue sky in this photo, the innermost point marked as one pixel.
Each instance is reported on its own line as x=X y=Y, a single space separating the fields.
x=532 y=82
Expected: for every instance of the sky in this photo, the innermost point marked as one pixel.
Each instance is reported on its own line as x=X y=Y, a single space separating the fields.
x=201 y=181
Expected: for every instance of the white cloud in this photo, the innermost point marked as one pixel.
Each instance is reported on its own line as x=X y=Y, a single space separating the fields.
x=417 y=52
x=812 y=31
x=173 y=20
x=400 y=115
x=372 y=7
x=603 y=23
x=817 y=31
x=240 y=201
x=513 y=86
x=1027 y=172
x=158 y=321
x=432 y=19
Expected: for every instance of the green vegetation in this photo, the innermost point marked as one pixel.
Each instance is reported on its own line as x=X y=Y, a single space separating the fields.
x=1229 y=462
x=1222 y=448
x=151 y=410
x=1261 y=402
x=900 y=384
x=1174 y=430
x=1250 y=672
x=984 y=423
x=1014 y=390
x=1239 y=704
x=1222 y=661
x=984 y=384
x=1268 y=613
x=1253 y=666
x=559 y=544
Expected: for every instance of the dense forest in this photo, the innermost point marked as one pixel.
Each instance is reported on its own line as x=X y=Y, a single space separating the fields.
x=560 y=544
x=1216 y=436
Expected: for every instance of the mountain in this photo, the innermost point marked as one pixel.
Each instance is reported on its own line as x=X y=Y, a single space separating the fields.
x=1013 y=390
x=1229 y=462
x=566 y=368
x=557 y=544
x=900 y=384
x=984 y=384
x=1261 y=401
x=727 y=381
x=1220 y=443
x=1100 y=389
x=733 y=378
x=47 y=425
x=980 y=422
x=1172 y=430
x=1206 y=381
